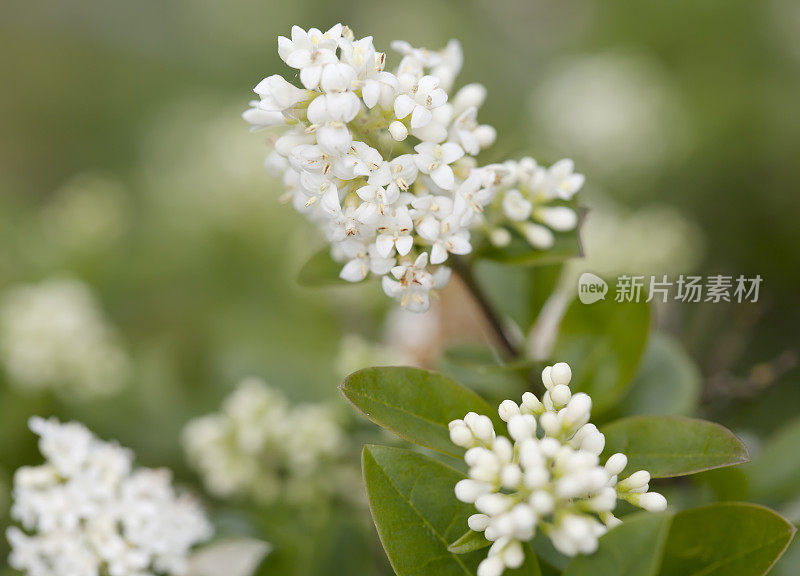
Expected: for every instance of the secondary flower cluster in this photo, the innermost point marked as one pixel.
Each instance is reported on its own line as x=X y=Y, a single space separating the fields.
x=384 y=161
x=548 y=476
x=259 y=446
x=87 y=511
x=54 y=335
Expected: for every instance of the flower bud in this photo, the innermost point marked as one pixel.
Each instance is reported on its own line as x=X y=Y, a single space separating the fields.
x=500 y=237
x=478 y=522
x=491 y=566
x=616 y=463
x=469 y=490
x=561 y=374
x=507 y=409
x=538 y=236
x=560 y=395
x=560 y=218
x=531 y=403
x=522 y=426
x=398 y=130
x=651 y=501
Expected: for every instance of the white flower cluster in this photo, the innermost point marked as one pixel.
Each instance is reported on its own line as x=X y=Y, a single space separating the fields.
x=54 y=335
x=87 y=512
x=384 y=161
x=259 y=446
x=548 y=476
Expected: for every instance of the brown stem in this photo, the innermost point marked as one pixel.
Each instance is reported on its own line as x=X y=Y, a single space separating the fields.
x=464 y=271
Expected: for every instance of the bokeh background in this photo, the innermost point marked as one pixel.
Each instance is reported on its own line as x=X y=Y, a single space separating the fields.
x=125 y=166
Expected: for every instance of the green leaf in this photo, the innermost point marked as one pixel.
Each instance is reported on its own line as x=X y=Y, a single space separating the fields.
x=413 y=504
x=416 y=512
x=469 y=542
x=603 y=343
x=321 y=270
x=775 y=472
x=415 y=404
x=634 y=548
x=518 y=292
x=673 y=445
x=729 y=539
x=668 y=381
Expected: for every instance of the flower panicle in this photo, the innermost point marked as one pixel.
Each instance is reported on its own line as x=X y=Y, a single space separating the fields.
x=384 y=161
x=546 y=475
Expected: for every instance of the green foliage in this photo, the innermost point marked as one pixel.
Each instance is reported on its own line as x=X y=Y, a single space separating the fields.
x=728 y=539
x=775 y=472
x=668 y=382
x=731 y=539
x=417 y=514
x=633 y=548
x=603 y=343
x=673 y=446
x=413 y=403
x=469 y=542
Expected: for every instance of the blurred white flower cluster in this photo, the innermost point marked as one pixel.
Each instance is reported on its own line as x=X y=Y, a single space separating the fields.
x=87 y=512
x=384 y=161
x=54 y=335
x=258 y=446
x=357 y=352
x=548 y=476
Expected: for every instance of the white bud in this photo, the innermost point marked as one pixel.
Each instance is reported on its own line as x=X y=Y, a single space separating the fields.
x=652 y=502
x=636 y=482
x=503 y=449
x=491 y=566
x=398 y=130
x=522 y=426
x=510 y=476
x=561 y=374
x=578 y=411
x=485 y=135
x=531 y=403
x=560 y=395
x=460 y=435
x=550 y=423
x=478 y=522
x=469 y=490
x=538 y=236
x=507 y=409
x=559 y=218
x=546 y=377
x=492 y=504
x=513 y=555
x=500 y=237
x=542 y=502
x=536 y=478
x=616 y=463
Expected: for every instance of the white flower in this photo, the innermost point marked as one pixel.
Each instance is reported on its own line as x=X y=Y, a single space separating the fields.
x=423 y=97
x=351 y=147
x=435 y=159
x=261 y=447
x=546 y=475
x=87 y=511
x=54 y=336
x=310 y=52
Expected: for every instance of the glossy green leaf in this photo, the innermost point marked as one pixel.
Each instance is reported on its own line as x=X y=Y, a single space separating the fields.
x=469 y=542
x=415 y=404
x=673 y=445
x=321 y=270
x=634 y=548
x=413 y=504
x=729 y=539
x=603 y=343
x=775 y=472
x=668 y=381
x=416 y=512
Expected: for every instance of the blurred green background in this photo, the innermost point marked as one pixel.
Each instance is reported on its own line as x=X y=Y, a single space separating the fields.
x=687 y=106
